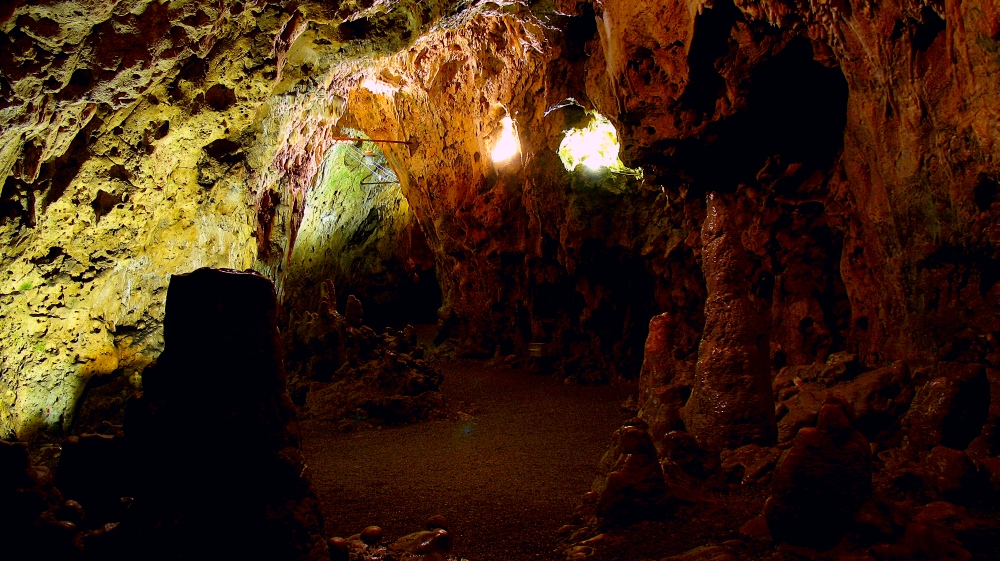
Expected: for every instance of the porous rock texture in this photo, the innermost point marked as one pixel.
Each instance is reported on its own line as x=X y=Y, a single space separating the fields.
x=141 y=138
x=209 y=463
x=730 y=403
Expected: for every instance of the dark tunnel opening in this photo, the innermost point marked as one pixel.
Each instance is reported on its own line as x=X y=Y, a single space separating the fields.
x=796 y=109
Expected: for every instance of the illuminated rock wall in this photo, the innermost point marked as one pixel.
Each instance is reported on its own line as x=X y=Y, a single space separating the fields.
x=140 y=139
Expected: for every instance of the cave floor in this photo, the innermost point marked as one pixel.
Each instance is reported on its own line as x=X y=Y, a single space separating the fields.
x=507 y=468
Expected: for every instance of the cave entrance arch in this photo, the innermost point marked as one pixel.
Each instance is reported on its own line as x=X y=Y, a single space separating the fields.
x=358 y=230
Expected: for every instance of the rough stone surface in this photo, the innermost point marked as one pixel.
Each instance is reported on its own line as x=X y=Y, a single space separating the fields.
x=857 y=142
x=882 y=258
x=949 y=410
x=730 y=403
x=820 y=482
x=361 y=234
x=633 y=487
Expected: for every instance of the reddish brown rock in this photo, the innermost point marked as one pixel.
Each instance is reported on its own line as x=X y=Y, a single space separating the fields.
x=705 y=553
x=990 y=468
x=664 y=380
x=427 y=542
x=634 y=488
x=820 y=482
x=680 y=451
x=730 y=403
x=798 y=407
x=950 y=474
x=660 y=366
x=879 y=397
x=949 y=410
x=353 y=312
x=372 y=535
x=749 y=464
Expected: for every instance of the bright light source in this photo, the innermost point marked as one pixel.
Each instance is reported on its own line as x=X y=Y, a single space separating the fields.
x=595 y=146
x=507 y=146
x=378 y=87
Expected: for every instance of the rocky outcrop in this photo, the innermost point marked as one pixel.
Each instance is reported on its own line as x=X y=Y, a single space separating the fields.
x=432 y=544
x=216 y=397
x=633 y=488
x=821 y=481
x=730 y=404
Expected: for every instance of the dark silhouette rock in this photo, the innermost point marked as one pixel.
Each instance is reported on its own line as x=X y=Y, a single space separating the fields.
x=679 y=449
x=821 y=481
x=218 y=469
x=95 y=470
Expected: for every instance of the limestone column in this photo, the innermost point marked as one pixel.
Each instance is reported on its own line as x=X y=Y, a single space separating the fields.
x=730 y=403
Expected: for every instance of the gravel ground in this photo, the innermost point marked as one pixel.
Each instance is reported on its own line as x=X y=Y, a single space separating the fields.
x=507 y=473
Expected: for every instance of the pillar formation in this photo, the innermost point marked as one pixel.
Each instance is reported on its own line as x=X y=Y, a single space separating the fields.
x=731 y=403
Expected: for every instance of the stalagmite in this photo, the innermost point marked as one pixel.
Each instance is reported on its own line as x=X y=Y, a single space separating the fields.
x=731 y=403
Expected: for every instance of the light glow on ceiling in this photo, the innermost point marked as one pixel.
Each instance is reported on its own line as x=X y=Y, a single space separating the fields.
x=508 y=145
x=378 y=87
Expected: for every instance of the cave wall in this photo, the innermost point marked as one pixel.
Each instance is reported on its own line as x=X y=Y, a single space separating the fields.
x=909 y=196
x=101 y=198
x=525 y=250
x=142 y=138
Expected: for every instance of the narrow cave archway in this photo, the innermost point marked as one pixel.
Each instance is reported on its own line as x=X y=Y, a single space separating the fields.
x=358 y=231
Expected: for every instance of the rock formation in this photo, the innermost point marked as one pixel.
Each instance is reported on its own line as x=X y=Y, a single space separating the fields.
x=853 y=142
x=343 y=372
x=730 y=403
x=216 y=397
x=821 y=481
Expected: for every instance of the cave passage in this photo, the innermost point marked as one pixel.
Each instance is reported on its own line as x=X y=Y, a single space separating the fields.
x=359 y=231
x=712 y=281
x=506 y=471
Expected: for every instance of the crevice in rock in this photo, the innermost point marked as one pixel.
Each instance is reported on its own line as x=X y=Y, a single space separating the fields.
x=926 y=29
x=709 y=43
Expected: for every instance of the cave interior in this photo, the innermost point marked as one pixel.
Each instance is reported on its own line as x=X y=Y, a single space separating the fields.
x=449 y=280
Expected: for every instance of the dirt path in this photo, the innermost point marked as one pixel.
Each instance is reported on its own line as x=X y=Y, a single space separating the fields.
x=506 y=479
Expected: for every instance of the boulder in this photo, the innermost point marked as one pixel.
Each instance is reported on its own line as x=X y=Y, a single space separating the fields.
x=634 y=488
x=821 y=481
x=949 y=410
